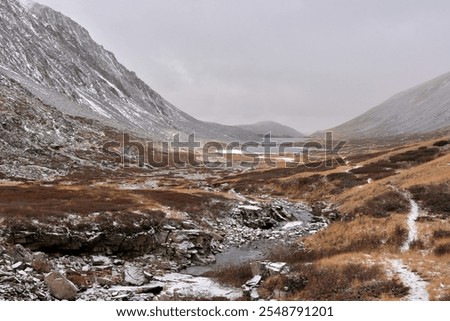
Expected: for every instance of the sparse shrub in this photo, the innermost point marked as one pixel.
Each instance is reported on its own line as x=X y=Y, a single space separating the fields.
x=340 y=176
x=441 y=143
x=440 y=234
x=377 y=170
x=399 y=237
x=293 y=254
x=348 y=282
x=272 y=283
x=418 y=156
x=304 y=184
x=385 y=204
x=436 y=198
x=442 y=249
x=418 y=244
x=361 y=272
x=234 y=275
x=366 y=242
x=344 y=181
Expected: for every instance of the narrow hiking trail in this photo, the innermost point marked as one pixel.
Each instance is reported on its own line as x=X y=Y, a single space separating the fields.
x=418 y=287
x=412 y=228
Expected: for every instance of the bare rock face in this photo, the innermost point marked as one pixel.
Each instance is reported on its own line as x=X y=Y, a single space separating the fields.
x=187 y=245
x=136 y=242
x=60 y=287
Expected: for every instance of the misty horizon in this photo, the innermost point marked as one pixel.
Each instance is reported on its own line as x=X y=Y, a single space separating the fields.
x=310 y=66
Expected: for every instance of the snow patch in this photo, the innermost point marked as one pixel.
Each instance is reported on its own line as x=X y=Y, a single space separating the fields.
x=412 y=228
x=292 y=225
x=418 y=291
x=182 y=285
x=250 y=207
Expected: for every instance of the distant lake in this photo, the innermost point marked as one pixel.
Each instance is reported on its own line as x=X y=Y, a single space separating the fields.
x=282 y=144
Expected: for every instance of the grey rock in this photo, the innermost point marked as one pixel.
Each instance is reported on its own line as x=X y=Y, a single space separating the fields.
x=254 y=281
x=134 y=275
x=275 y=268
x=41 y=264
x=17 y=265
x=254 y=295
x=60 y=287
x=104 y=281
x=19 y=253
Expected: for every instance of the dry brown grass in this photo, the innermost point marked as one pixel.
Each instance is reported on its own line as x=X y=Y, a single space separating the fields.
x=435 y=198
x=234 y=275
x=442 y=249
x=363 y=233
x=431 y=173
x=342 y=282
x=421 y=155
x=441 y=233
x=36 y=201
x=385 y=204
x=355 y=237
x=33 y=201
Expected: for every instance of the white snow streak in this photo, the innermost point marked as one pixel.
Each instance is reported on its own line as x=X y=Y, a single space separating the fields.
x=418 y=291
x=189 y=286
x=412 y=228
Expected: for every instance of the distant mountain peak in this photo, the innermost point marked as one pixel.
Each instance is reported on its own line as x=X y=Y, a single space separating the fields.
x=57 y=60
x=422 y=108
x=276 y=129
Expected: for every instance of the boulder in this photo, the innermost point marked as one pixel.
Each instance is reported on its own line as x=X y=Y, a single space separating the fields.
x=277 y=268
x=19 y=253
x=254 y=281
x=60 y=287
x=41 y=264
x=134 y=275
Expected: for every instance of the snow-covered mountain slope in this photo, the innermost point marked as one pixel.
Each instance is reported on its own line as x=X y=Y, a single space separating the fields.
x=57 y=60
x=277 y=129
x=421 y=109
x=38 y=142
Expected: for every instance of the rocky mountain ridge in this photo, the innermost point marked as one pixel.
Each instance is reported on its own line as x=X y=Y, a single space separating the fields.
x=423 y=108
x=57 y=60
x=276 y=129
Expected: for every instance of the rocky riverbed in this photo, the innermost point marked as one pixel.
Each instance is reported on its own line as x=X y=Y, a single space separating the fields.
x=27 y=273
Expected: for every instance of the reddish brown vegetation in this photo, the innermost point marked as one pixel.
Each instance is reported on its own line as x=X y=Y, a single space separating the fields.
x=294 y=254
x=349 y=282
x=442 y=249
x=385 y=204
x=435 y=198
x=235 y=275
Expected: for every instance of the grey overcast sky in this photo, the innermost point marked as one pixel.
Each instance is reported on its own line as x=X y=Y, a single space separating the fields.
x=310 y=64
